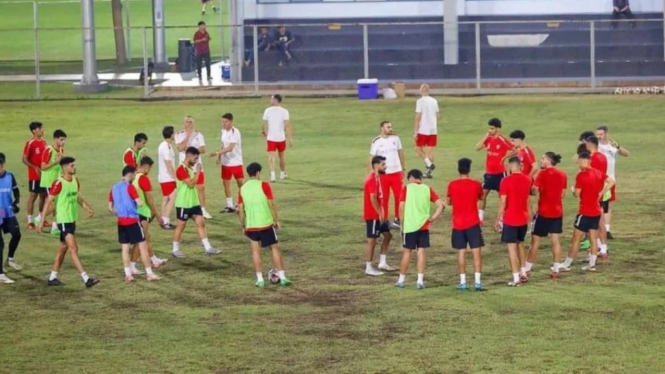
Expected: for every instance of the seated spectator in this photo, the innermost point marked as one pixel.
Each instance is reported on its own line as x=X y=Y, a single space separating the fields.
x=284 y=41
x=622 y=7
x=264 y=40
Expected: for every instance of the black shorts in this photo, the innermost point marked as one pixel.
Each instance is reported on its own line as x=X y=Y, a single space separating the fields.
x=144 y=218
x=513 y=234
x=66 y=229
x=416 y=240
x=265 y=237
x=543 y=226
x=492 y=182
x=10 y=225
x=584 y=223
x=36 y=187
x=606 y=206
x=375 y=228
x=183 y=214
x=469 y=238
x=131 y=234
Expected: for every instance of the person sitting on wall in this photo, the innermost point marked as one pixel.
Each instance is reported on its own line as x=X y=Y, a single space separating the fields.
x=264 y=40
x=622 y=7
x=284 y=41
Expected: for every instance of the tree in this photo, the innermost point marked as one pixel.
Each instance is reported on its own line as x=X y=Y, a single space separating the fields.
x=118 y=33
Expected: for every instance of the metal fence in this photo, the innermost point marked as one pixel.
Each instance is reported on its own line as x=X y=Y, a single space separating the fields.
x=585 y=54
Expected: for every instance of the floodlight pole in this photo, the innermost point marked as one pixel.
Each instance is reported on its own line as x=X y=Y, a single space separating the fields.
x=237 y=12
x=158 y=37
x=450 y=33
x=89 y=82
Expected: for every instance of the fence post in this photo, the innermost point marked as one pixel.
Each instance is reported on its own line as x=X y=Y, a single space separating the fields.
x=35 y=10
x=478 y=62
x=221 y=33
x=592 y=43
x=146 y=78
x=128 y=42
x=366 y=51
x=255 y=49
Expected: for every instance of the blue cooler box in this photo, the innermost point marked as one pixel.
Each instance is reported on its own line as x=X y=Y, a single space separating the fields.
x=226 y=71
x=368 y=89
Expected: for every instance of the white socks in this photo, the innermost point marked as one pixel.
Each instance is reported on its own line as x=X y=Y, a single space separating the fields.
x=282 y=174
x=382 y=259
x=259 y=276
x=30 y=219
x=54 y=226
x=421 y=278
x=229 y=202
x=607 y=228
x=128 y=271
x=567 y=262
x=281 y=274
x=477 y=277
x=272 y=176
x=516 y=277
x=402 y=278
x=176 y=247
x=154 y=259
x=206 y=244
x=166 y=220
x=53 y=276
x=428 y=162
x=592 y=260
x=462 y=279
x=149 y=273
x=528 y=265
x=481 y=214
x=555 y=267
x=85 y=277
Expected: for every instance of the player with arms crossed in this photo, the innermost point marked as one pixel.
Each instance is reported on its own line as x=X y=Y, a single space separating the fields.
x=133 y=154
x=276 y=128
x=10 y=197
x=515 y=208
x=259 y=221
x=32 y=158
x=497 y=147
x=376 y=217
x=65 y=196
x=230 y=156
x=389 y=146
x=599 y=162
x=463 y=195
x=524 y=153
x=414 y=210
x=185 y=139
x=147 y=210
x=550 y=185
x=51 y=169
x=187 y=205
x=166 y=175
x=124 y=201
x=611 y=149
x=590 y=185
x=425 y=128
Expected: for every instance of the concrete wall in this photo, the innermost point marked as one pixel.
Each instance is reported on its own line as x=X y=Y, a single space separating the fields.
x=429 y=8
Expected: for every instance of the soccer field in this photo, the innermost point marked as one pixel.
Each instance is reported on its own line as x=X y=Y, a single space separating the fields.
x=60 y=32
x=205 y=316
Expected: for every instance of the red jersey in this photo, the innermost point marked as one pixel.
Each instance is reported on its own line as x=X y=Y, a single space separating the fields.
x=34 y=151
x=599 y=162
x=463 y=195
x=590 y=182
x=46 y=155
x=517 y=189
x=56 y=187
x=182 y=173
x=202 y=46
x=144 y=183
x=527 y=157
x=497 y=148
x=551 y=183
x=433 y=197
x=267 y=190
x=372 y=187
x=129 y=158
x=127 y=221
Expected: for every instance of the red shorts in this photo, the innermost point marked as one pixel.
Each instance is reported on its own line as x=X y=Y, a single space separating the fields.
x=202 y=180
x=425 y=140
x=276 y=146
x=167 y=188
x=230 y=172
x=613 y=191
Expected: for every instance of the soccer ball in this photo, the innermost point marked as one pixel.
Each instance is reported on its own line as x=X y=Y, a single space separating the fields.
x=273 y=276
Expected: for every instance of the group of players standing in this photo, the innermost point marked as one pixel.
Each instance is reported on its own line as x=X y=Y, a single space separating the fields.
x=513 y=170
x=52 y=181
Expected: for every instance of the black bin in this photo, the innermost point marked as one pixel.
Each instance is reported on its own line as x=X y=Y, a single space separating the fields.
x=186 y=62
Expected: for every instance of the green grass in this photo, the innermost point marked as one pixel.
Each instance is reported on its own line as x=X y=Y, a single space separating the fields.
x=60 y=37
x=205 y=316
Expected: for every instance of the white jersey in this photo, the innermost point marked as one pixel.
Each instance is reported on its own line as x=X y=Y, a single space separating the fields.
x=388 y=148
x=233 y=158
x=276 y=117
x=165 y=155
x=428 y=108
x=196 y=140
x=611 y=154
